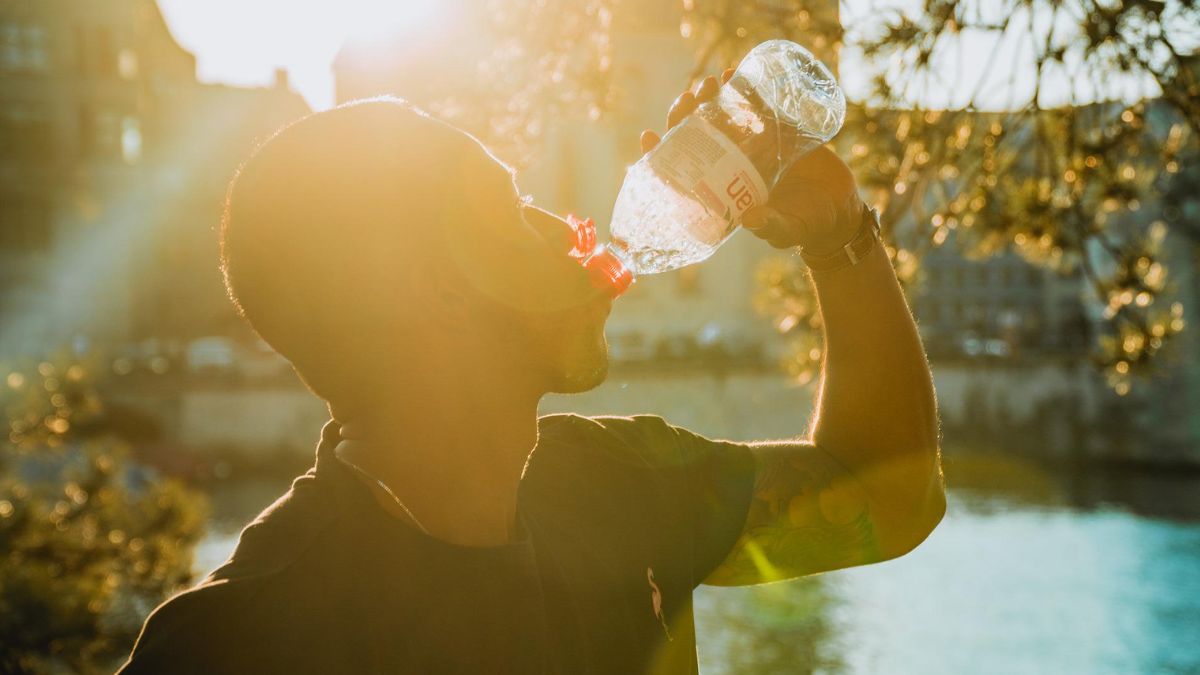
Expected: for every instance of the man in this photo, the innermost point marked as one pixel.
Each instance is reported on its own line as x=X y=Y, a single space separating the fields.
x=445 y=528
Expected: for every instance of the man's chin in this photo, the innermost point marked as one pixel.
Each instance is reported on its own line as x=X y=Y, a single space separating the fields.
x=582 y=378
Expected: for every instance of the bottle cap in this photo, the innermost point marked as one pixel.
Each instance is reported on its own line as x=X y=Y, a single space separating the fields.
x=585 y=237
x=608 y=272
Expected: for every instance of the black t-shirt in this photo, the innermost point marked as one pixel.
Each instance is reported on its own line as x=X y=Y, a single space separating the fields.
x=620 y=519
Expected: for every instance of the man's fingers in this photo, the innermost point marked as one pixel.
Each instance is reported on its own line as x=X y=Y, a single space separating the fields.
x=686 y=104
x=681 y=108
x=762 y=218
x=707 y=89
x=771 y=225
x=648 y=140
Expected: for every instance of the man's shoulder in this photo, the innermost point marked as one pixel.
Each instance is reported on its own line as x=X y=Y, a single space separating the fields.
x=622 y=428
x=246 y=598
x=284 y=533
x=572 y=446
x=180 y=631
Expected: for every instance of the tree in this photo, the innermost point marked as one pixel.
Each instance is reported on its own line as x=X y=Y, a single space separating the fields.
x=1075 y=184
x=90 y=540
x=1099 y=117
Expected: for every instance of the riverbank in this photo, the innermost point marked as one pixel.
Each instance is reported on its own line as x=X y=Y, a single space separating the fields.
x=1054 y=413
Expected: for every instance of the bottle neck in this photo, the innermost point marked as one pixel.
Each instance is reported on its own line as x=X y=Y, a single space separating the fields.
x=610 y=270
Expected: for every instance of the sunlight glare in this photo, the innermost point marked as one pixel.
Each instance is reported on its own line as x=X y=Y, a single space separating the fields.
x=243 y=42
x=379 y=20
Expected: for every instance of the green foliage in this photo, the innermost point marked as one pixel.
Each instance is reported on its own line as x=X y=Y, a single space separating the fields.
x=1082 y=166
x=90 y=541
x=1088 y=186
x=546 y=60
x=780 y=628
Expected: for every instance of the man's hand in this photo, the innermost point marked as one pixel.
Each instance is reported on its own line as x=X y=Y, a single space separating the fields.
x=814 y=206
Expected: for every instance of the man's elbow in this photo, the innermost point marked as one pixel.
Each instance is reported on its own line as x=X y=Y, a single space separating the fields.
x=917 y=527
x=911 y=501
x=914 y=524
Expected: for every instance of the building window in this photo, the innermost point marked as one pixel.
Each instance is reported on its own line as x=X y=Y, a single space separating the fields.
x=22 y=47
x=96 y=52
x=10 y=46
x=35 y=48
x=127 y=64
x=86 y=124
x=24 y=223
x=106 y=133
x=973 y=316
x=131 y=140
x=25 y=132
x=106 y=55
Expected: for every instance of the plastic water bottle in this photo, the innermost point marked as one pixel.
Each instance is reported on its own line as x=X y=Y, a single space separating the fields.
x=684 y=198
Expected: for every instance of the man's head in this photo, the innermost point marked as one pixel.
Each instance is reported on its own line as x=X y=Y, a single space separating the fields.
x=373 y=244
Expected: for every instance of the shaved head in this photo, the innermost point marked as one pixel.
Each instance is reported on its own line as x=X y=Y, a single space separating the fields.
x=364 y=241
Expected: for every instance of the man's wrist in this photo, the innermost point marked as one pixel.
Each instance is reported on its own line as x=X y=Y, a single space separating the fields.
x=847 y=228
x=852 y=251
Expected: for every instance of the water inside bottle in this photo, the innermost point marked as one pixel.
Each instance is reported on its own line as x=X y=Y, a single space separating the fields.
x=658 y=225
x=650 y=225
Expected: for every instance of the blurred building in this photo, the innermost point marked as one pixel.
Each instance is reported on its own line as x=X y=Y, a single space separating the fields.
x=1163 y=408
x=998 y=307
x=113 y=166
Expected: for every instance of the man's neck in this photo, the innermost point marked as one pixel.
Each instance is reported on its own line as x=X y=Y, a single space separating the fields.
x=454 y=456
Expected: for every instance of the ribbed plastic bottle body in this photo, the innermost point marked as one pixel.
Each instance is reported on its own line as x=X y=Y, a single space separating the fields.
x=684 y=199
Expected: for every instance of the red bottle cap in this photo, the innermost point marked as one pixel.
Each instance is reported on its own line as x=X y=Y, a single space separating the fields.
x=608 y=272
x=585 y=237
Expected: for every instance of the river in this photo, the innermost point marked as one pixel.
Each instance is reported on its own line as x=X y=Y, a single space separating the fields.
x=1031 y=571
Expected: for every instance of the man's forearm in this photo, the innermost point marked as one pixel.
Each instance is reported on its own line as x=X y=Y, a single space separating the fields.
x=876 y=411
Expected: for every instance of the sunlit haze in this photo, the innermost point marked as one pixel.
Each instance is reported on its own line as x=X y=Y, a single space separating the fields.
x=243 y=42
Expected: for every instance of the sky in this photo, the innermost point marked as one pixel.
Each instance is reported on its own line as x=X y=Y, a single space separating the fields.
x=243 y=42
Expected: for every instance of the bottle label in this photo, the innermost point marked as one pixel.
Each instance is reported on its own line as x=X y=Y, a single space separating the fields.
x=697 y=157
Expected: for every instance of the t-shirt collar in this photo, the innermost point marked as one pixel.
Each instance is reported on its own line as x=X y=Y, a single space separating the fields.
x=353 y=495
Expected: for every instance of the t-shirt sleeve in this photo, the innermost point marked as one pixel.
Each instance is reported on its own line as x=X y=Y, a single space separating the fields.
x=212 y=628
x=658 y=489
x=175 y=637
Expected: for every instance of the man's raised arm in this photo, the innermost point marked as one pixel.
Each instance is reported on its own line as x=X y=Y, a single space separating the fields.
x=867 y=486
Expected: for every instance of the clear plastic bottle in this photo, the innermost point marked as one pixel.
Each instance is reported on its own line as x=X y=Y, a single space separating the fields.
x=684 y=198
